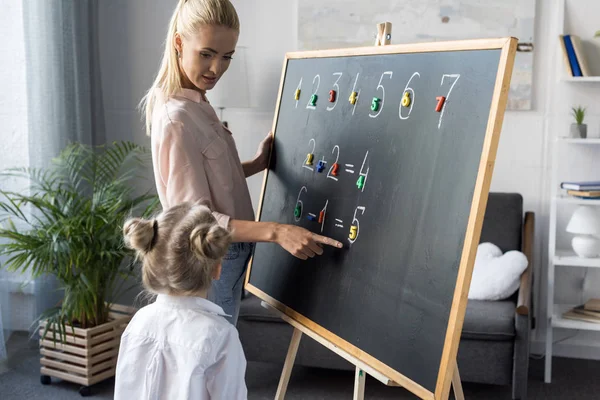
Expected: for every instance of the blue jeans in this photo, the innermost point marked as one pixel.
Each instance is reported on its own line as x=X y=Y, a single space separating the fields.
x=227 y=291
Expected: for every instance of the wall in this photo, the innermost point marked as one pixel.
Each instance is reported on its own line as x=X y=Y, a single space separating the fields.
x=132 y=34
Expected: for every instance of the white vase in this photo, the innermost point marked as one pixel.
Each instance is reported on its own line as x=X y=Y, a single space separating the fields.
x=586 y=246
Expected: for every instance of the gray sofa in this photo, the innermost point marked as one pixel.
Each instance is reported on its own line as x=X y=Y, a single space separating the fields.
x=494 y=346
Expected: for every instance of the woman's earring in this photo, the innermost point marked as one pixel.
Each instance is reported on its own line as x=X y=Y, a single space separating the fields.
x=177 y=52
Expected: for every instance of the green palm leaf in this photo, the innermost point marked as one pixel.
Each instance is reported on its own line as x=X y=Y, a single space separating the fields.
x=69 y=224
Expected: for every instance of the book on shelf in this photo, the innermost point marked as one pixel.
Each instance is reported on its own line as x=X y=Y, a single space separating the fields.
x=573 y=56
x=581 y=314
x=592 y=305
x=575 y=68
x=584 y=194
x=581 y=59
x=568 y=66
x=583 y=186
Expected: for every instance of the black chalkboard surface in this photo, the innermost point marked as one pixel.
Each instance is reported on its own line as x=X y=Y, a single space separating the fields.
x=390 y=150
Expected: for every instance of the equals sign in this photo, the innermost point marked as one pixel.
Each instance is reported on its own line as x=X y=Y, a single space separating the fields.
x=339 y=223
x=348 y=166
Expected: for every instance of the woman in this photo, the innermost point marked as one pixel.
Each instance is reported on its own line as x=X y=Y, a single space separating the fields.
x=194 y=155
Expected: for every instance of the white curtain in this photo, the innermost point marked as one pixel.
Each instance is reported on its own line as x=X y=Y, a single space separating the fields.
x=63 y=105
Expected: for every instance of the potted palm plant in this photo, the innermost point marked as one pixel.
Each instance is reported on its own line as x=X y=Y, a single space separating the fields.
x=69 y=225
x=578 y=129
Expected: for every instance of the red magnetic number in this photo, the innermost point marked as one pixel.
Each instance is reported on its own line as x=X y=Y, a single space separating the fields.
x=332 y=96
x=440 y=103
x=334 y=171
x=321 y=216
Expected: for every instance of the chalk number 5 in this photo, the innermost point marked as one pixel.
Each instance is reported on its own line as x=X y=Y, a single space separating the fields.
x=380 y=86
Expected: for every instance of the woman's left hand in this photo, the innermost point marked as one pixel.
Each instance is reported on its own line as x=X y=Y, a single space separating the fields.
x=261 y=159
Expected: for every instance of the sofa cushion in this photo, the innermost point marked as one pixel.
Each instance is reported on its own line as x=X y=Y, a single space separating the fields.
x=489 y=320
x=503 y=221
x=484 y=320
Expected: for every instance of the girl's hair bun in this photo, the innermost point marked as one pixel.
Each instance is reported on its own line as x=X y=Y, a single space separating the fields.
x=139 y=234
x=210 y=241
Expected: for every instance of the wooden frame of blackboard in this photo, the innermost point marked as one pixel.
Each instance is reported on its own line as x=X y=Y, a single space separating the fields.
x=484 y=176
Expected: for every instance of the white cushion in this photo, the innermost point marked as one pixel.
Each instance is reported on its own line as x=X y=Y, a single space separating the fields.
x=496 y=276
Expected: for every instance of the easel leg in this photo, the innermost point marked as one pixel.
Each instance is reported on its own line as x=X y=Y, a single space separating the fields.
x=288 y=365
x=456 y=384
x=359 y=384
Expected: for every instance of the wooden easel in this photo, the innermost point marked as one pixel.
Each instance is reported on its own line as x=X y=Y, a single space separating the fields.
x=384 y=37
x=362 y=369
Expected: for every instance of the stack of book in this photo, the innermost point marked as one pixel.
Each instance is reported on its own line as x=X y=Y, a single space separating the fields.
x=583 y=190
x=573 y=56
x=589 y=312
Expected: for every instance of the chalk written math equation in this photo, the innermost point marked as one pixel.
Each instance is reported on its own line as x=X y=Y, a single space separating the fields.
x=321 y=217
x=393 y=89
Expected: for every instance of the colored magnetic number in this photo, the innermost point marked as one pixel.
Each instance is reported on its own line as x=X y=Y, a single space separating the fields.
x=334 y=170
x=322 y=215
x=406 y=99
x=334 y=166
x=320 y=166
x=353 y=98
x=360 y=183
x=355 y=227
x=297 y=93
x=440 y=103
x=333 y=92
x=309 y=159
x=362 y=179
x=353 y=232
x=442 y=106
x=410 y=94
x=375 y=104
x=312 y=101
x=299 y=204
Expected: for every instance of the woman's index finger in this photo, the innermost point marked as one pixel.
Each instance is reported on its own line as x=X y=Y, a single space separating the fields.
x=327 y=241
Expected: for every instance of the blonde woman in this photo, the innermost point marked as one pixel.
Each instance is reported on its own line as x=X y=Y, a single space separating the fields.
x=194 y=155
x=180 y=346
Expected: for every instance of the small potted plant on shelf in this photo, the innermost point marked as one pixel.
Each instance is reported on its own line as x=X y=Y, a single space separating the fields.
x=578 y=129
x=69 y=224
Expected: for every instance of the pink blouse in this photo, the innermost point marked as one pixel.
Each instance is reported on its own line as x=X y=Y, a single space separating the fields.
x=195 y=158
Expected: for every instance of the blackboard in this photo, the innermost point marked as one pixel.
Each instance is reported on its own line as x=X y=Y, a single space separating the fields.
x=412 y=177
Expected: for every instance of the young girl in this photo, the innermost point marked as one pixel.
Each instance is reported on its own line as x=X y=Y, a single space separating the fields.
x=180 y=346
x=194 y=155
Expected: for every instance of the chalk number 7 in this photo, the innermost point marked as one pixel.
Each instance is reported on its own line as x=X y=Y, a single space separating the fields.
x=456 y=78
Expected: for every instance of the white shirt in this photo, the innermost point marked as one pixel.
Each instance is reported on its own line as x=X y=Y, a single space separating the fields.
x=180 y=348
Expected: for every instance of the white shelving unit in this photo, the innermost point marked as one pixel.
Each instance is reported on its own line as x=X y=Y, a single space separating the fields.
x=559 y=257
x=582 y=79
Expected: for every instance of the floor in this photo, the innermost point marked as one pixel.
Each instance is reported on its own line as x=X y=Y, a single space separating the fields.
x=573 y=379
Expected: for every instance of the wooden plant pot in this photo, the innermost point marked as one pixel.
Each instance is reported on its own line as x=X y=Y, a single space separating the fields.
x=86 y=356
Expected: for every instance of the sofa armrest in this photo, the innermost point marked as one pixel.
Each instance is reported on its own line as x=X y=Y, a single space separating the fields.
x=524 y=301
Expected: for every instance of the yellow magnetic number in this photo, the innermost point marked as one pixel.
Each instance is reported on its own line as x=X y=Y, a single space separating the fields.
x=406 y=99
x=353 y=232
x=309 y=159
